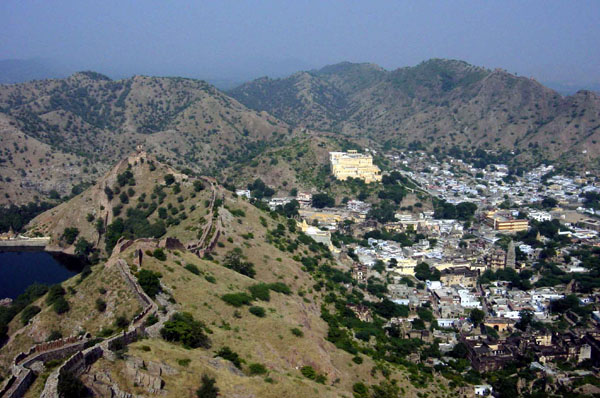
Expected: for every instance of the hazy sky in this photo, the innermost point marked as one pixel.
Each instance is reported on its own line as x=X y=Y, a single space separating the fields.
x=549 y=40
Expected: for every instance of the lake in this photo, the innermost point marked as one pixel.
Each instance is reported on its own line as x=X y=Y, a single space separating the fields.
x=19 y=269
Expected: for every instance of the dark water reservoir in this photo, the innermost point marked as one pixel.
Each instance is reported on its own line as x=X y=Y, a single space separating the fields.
x=19 y=269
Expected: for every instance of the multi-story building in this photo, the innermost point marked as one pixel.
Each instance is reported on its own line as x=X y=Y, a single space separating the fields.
x=505 y=222
x=460 y=276
x=495 y=259
x=353 y=164
x=360 y=273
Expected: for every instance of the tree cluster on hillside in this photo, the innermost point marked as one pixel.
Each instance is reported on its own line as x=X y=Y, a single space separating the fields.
x=16 y=217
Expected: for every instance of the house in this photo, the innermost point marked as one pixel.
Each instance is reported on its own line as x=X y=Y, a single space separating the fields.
x=461 y=276
x=360 y=273
x=362 y=312
x=488 y=356
x=495 y=259
x=500 y=324
x=483 y=390
x=243 y=193
x=304 y=199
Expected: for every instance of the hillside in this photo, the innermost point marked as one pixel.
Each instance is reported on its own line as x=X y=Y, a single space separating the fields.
x=438 y=103
x=88 y=122
x=294 y=346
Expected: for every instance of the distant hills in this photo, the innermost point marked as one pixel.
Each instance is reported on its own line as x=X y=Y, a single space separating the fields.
x=438 y=103
x=58 y=133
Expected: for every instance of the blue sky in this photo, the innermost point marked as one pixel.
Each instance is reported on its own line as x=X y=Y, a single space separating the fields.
x=549 y=40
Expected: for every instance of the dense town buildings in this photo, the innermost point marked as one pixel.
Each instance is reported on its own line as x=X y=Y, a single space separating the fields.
x=504 y=261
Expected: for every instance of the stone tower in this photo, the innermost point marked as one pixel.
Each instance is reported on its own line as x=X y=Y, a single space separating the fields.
x=510 y=255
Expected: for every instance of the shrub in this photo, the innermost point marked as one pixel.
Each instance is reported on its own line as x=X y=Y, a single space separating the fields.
x=297 y=332
x=210 y=279
x=54 y=335
x=125 y=177
x=151 y=320
x=183 y=328
x=208 y=388
x=69 y=386
x=100 y=305
x=234 y=260
x=258 y=311
x=169 y=179
x=106 y=331
x=357 y=360
x=308 y=372
x=149 y=281
x=28 y=313
x=257 y=369
x=237 y=299
x=198 y=186
x=192 y=268
x=260 y=291
x=69 y=235
x=109 y=193
x=184 y=362
x=159 y=254
x=229 y=355
x=280 y=287
x=121 y=322
x=60 y=306
x=86 y=271
x=360 y=390
x=54 y=293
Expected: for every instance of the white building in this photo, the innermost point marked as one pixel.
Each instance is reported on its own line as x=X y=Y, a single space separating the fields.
x=540 y=216
x=243 y=193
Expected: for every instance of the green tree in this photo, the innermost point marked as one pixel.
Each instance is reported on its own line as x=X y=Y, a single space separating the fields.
x=235 y=261
x=228 y=354
x=169 y=179
x=321 y=200
x=69 y=386
x=208 y=389
x=83 y=248
x=385 y=389
x=149 y=281
x=28 y=313
x=70 y=234
x=183 y=328
x=525 y=319
x=477 y=316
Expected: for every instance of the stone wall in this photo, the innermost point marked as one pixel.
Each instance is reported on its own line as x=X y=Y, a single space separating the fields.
x=22 y=376
x=80 y=360
x=18 y=384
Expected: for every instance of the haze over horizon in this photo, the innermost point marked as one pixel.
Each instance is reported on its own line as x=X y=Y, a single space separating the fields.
x=554 y=42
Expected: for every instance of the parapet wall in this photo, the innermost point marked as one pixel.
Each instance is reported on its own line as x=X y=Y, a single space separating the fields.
x=22 y=377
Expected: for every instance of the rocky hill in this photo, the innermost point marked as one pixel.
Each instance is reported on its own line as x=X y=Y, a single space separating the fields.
x=438 y=103
x=57 y=133
x=260 y=304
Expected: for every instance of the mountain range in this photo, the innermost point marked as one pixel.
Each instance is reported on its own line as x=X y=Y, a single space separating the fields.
x=438 y=103
x=60 y=133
